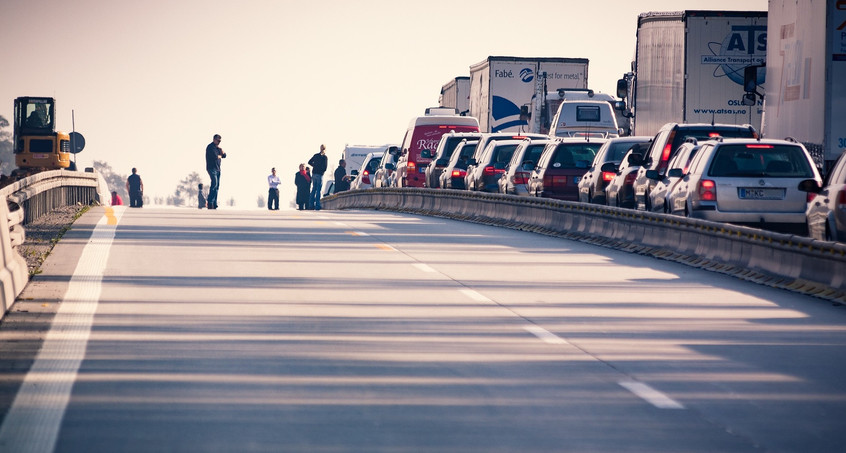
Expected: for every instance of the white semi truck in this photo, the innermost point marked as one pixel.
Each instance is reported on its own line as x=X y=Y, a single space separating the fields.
x=456 y=94
x=805 y=96
x=689 y=68
x=500 y=86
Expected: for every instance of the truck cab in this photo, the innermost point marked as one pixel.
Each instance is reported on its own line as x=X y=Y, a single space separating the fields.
x=37 y=144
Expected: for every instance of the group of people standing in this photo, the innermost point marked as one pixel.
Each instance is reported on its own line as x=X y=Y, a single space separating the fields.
x=310 y=182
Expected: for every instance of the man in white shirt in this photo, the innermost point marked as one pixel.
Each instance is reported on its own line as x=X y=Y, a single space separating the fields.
x=273 y=193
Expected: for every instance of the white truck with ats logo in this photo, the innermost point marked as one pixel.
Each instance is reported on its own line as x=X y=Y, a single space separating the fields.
x=689 y=68
x=500 y=86
x=806 y=69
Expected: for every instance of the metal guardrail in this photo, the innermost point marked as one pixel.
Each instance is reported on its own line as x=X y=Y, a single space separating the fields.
x=29 y=199
x=790 y=262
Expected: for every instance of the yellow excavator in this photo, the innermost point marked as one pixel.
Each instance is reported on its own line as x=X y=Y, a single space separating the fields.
x=37 y=144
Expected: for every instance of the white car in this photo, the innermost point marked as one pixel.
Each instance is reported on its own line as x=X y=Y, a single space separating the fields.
x=365 y=177
x=748 y=182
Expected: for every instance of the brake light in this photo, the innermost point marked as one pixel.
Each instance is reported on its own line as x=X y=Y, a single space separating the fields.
x=490 y=170
x=713 y=134
x=458 y=173
x=665 y=156
x=707 y=190
x=607 y=176
x=520 y=177
x=365 y=177
x=411 y=167
x=760 y=146
x=630 y=178
x=841 y=199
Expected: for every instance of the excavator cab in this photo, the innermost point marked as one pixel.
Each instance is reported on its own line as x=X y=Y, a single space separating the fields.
x=37 y=143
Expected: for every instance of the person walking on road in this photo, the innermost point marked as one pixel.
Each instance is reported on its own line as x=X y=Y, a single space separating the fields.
x=135 y=187
x=342 y=180
x=273 y=192
x=318 y=163
x=201 y=199
x=303 y=181
x=213 y=155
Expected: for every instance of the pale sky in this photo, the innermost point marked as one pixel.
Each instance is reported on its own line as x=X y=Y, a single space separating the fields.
x=150 y=82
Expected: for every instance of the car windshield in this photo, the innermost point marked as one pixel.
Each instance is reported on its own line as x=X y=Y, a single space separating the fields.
x=753 y=160
x=575 y=155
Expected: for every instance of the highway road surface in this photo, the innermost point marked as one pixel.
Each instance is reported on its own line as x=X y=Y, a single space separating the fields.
x=182 y=330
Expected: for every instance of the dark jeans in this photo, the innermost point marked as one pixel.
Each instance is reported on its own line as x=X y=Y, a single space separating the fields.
x=136 y=199
x=316 y=187
x=273 y=199
x=215 y=184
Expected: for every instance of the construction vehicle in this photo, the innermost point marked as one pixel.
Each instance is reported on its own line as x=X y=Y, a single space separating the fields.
x=37 y=144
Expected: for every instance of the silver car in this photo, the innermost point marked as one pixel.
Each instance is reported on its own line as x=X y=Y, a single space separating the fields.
x=677 y=168
x=826 y=214
x=748 y=182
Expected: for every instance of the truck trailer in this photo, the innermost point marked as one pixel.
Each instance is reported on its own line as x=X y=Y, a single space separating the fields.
x=689 y=68
x=805 y=97
x=456 y=94
x=500 y=86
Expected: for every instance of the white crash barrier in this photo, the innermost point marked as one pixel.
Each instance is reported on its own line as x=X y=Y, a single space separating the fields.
x=780 y=260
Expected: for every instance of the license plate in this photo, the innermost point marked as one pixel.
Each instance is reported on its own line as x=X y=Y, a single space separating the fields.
x=755 y=193
x=40 y=156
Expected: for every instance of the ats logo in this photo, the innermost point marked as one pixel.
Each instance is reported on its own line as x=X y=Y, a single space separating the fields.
x=746 y=45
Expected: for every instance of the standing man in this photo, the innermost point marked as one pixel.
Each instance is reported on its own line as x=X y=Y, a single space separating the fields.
x=213 y=155
x=342 y=180
x=273 y=192
x=318 y=163
x=135 y=187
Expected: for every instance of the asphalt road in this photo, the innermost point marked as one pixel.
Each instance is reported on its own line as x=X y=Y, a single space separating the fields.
x=187 y=330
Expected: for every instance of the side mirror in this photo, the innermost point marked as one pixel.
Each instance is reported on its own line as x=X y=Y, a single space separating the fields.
x=426 y=154
x=608 y=167
x=622 y=88
x=673 y=173
x=471 y=162
x=528 y=165
x=525 y=113
x=810 y=185
x=653 y=174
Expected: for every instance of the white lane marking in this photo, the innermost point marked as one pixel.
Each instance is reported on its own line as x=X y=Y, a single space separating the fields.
x=340 y=224
x=474 y=295
x=34 y=420
x=423 y=267
x=651 y=395
x=545 y=335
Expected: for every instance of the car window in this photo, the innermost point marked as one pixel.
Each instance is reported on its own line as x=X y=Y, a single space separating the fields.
x=533 y=153
x=502 y=154
x=618 y=150
x=574 y=155
x=775 y=161
x=372 y=165
x=697 y=162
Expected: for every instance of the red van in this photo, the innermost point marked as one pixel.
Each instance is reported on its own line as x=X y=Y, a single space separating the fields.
x=421 y=140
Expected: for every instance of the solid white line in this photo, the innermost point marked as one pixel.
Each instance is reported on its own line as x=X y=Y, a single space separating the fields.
x=423 y=267
x=474 y=295
x=651 y=395
x=545 y=335
x=34 y=420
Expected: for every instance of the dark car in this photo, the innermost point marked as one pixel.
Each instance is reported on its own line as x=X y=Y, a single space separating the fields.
x=593 y=183
x=667 y=142
x=826 y=213
x=452 y=176
x=443 y=154
x=515 y=181
x=561 y=167
x=619 y=191
x=484 y=174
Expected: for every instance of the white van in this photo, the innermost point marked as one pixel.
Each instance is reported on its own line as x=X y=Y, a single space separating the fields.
x=584 y=118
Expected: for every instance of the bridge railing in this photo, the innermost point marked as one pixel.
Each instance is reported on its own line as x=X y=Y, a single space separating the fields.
x=784 y=261
x=29 y=199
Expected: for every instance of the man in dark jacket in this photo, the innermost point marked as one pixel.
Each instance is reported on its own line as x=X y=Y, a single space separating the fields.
x=342 y=180
x=318 y=163
x=135 y=187
x=213 y=155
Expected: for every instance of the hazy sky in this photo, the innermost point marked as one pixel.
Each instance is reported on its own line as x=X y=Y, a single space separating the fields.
x=151 y=81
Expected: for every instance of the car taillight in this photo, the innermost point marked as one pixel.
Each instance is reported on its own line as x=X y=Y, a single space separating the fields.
x=707 y=190
x=411 y=167
x=365 y=177
x=607 y=176
x=458 y=173
x=490 y=170
x=841 y=199
x=520 y=178
x=630 y=178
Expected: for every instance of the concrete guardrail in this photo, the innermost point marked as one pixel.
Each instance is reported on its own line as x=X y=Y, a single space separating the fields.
x=29 y=199
x=779 y=260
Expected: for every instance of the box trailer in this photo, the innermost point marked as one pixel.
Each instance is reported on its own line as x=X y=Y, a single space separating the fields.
x=500 y=86
x=689 y=68
x=806 y=68
x=456 y=94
